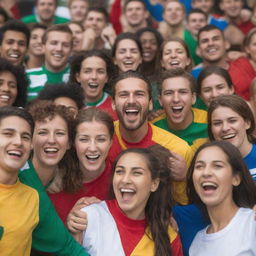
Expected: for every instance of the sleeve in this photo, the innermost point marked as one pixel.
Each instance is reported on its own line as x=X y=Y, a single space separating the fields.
x=176 y=247
x=51 y=235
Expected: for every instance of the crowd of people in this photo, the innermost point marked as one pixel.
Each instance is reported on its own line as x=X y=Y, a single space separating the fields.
x=128 y=128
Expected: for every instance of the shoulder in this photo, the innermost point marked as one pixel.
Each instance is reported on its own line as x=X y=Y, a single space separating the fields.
x=29 y=19
x=35 y=71
x=200 y=116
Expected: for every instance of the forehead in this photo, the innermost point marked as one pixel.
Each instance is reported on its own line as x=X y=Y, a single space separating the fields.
x=57 y=122
x=134 y=4
x=46 y=2
x=127 y=43
x=174 y=5
x=148 y=35
x=173 y=45
x=94 y=61
x=212 y=153
x=7 y=75
x=16 y=123
x=92 y=127
x=15 y=35
x=138 y=161
x=175 y=83
x=213 y=80
x=223 y=112
x=210 y=34
x=38 y=31
x=196 y=16
x=59 y=36
x=95 y=15
x=131 y=84
x=80 y=2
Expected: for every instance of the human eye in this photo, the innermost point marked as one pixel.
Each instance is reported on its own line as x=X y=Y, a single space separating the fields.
x=184 y=92
x=137 y=172
x=135 y=51
x=53 y=42
x=140 y=94
x=42 y=132
x=101 y=139
x=198 y=166
x=26 y=137
x=83 y=139
x=10 y=41
x=22 y=43
x=206 y=89
x=119 y=171
x=167 y=92
x=7 y=133
x=216 y=123
x=123 y=94
x=87 y=71
x=232 y=120
x=13 y=85
x=102 y=71
x=61 y=133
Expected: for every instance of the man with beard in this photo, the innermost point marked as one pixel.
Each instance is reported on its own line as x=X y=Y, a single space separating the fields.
x=135 y=16
x=45 y=10
x=212 y=48
x=132 y=102
x=57 y=44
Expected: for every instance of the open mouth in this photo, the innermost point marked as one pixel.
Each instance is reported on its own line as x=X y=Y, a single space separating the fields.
x=93 y=85
x=14 y=56
x=127 y=193
x=177 y=110
x=5 y=98
x=174 y=63
x=209 y=186
x=51 y=150
x=228 y=136
x=92 y=157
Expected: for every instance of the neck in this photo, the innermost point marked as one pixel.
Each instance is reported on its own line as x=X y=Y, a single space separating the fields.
x=245 y=148
x=220 y=216
x=220 y=63
x=35 y=61
x=183 y=125
x=98 y=43
x=8 y=178
x=45 y=173
x=92 y=100
x=135 y=28
x=235 y=20
x=89 y=176
x=54 y=70
x=134 y=136
x=177 y=30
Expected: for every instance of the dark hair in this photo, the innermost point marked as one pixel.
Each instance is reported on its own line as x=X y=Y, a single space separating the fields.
x=244 y=195
x=123 y=36
x=17 y=26
x=69 y=90
x=209 y=70
x=76 y=23
x=38 y=26
x=161 y=50
x=197 y=10
x=19 y=112
x=101 y=10
x=248 y=38
x=129 y=74
x=238 y=105
x=208 y=28
x=4 y=14
x=58 y=28
x=158 y=208
x=177 y=72
x=56 y=2
x=21 y=79
x=129 y=1
x=76 y=63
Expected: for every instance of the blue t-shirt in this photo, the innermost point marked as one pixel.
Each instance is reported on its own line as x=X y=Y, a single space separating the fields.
x=250 y=161
x=197 y=70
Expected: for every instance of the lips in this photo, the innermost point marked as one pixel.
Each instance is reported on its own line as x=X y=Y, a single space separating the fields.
x=50 y=150
x=127 y=193
x=93 y=85
x=228 y=136
x=5 y=97
x=177 y=109
x=15 y=153
x=93 y=157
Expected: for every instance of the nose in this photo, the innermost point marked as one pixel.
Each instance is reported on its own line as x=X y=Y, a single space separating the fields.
x=131 y=98
x=125 y=178
x=146 y=44
x=59 y=47
x=176 y=97
x=92 y=145
x=94 y=75
x=225 y=126
x=206 y=172
x=4 y=87
x=128 y=53
x=51 y=138
x=15 y=46
x=17 y=140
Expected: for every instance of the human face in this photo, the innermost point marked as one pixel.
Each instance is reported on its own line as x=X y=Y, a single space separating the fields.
x=92 y=77
x=57 y=48
x=67 y=102
x=174 y=14
x=174 y=56
x=78 y=10
x=135 y=14
x=50 y=141
x=15 y=146
x=251 y=49
x=78 y=36
x=46 y=9
x=14 y=47
x=195 y=22
x=149 y=46
x=35 y=43
x=96 y=21
x=132 y=103
x=204 y=5
x=2 y=20
x=213 y=178
x=228 y=125
x=213 y=86
x=177 y=98
x=92 y=144
x=127 y=56
x=8 y=89
x=133 y=184
x=231 y=8
x=212 y=46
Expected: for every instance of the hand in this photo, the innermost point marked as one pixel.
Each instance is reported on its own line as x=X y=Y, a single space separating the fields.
x=178 y=167
x=89 y=37
x=154 y=114
x=108 y=34
x=77 y=219
x=56 y=184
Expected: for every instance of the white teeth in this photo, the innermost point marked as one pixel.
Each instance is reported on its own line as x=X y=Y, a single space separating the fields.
x=51 y=150
x=57 y=55
x=128 y=62
x=212 y=50
x=229 y=136
x=146 y=54
x=14 y=153
x=5 y=97
x=177 y=108
x=175 y=62
x=131 y=111
x=93 y=157
x=14 y=56
x=127 y=190
x=209 y=184
x=93 y=84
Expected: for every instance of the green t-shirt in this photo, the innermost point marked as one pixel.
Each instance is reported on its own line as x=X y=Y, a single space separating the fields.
x=35 y=19
x=50 y=234
x=196 y=130
x=38 y=77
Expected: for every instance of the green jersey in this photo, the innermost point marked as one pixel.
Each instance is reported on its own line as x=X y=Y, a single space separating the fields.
x=35 y=19
x=196 y=130
x=50 y=234
x=38 y=77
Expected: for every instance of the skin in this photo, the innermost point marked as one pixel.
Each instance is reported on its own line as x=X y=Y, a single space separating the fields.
x=35 y=43
x=133 y=184
x=174 y=56
x=204 y=5
x=174 y=14
x=15 y=146
x=92 y=77
x=68 y=102
x=149 y=46
x=50 y=143
x=77 y=36
x=46 y=10
x=92 y=144
x=132 y=104
x=136 y=14
x=127 y=56
x=213 y=86
x=230 y=126
x=231 y=8
x=8 y=89
x=177 y=98
x=14 y=47
x=251 y=50
x=78 y=10
x=212 y=168
x=195 y=22
x=58 y=47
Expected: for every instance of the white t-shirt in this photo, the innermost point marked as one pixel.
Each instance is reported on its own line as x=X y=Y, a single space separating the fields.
x=238 y=238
